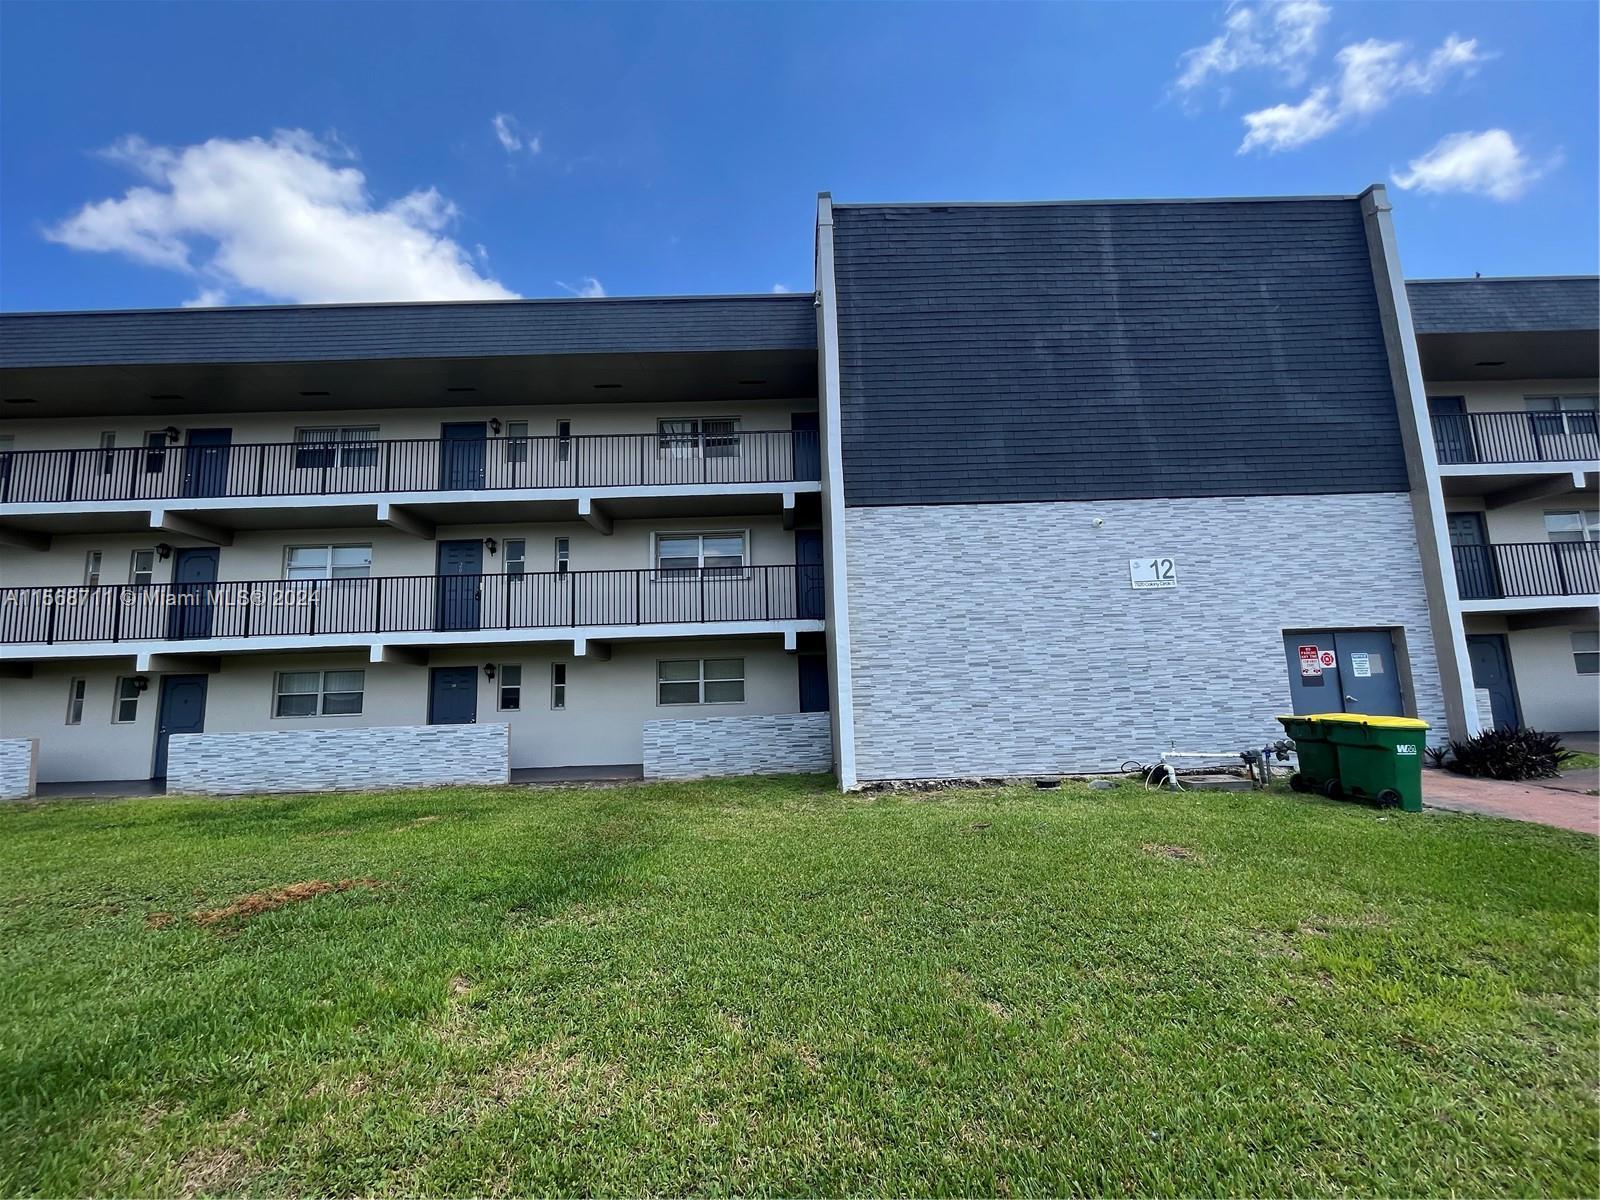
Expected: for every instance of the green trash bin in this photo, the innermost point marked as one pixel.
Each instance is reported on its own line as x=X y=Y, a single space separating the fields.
x=1379 y=758
x=1319 y=758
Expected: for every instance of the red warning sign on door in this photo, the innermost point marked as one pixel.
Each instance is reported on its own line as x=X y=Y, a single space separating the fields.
x=1327 y=658
x=1310 y=662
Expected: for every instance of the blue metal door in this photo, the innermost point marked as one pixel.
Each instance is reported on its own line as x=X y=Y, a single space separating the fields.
x=1452 y=435
x=1476 y=577
x=205 y=462
x=193 y=573
x=460 y=585
x=807 y=445
x=463 y=450
x=453 y=696
x=1368 y=673
x=182 y=710
x=810 y=599
x=1491 y=670
x=813 y=683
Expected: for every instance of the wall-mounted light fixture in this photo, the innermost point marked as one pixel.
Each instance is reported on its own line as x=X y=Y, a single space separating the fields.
x=488 y=670
x=173 y=433
x=163 y=550
x=494 y=425
x=490 y=545
x=141 y=682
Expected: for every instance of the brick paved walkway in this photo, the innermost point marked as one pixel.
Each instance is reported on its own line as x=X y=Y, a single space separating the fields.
x=1544 y=804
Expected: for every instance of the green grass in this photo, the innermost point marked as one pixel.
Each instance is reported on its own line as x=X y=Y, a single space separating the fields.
x=1580 y=760
x=764 y=987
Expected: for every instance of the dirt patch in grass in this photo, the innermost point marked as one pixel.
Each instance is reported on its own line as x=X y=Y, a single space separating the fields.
x=1176 y=853
x=159 y=920
x=210 y=1169
x=255 y=903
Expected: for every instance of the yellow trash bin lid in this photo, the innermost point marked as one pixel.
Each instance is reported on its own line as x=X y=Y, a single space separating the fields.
x=1376 y=722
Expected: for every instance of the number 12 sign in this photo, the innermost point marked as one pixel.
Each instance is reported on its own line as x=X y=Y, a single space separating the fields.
x=1155 y=572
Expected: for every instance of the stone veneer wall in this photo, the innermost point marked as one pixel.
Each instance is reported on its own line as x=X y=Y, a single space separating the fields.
x=19 y=768
x=1005 y=639
x=694 y=748
x=314 y=760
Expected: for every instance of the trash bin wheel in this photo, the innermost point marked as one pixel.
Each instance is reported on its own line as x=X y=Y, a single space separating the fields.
x=1299 y=783
x=1389 y=798
x=1332 y=790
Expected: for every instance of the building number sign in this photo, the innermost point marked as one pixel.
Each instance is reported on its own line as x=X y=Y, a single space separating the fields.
x=1157 y=571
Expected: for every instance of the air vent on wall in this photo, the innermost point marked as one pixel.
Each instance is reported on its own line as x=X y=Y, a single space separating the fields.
x=1490 y=363
x=607 y=385
x=167 y=396
x=21 y=400
x=316 y=393
x=461 y=389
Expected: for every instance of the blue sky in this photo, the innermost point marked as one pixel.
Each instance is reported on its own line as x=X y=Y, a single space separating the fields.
x=674 y=149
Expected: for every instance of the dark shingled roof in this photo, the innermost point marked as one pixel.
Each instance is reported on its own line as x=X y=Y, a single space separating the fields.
x=1552 y=304
x=1101 y=350
x=468 y=329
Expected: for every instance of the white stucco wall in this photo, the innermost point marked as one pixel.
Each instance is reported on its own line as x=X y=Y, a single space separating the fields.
x=1510 y=395
x=1550 y=692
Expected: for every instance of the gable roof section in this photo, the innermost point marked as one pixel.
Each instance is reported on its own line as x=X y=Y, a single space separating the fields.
x=470 y=329
x=1555 y=303
x=1100 y=350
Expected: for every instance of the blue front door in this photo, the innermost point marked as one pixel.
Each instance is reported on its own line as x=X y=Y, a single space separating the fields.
x=460 y=585
x=1452 y=435
x=807 y=445
x=1491 y=670
x=810 y=599
x=463 y=449
x=813 y=682
x=194 y=572
x=205 y=462
x=453 y=696
x=182 y=710
x=1476 y=577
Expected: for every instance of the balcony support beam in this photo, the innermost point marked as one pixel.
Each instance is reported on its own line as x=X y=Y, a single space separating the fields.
x=593 y=651
x=1537 y=489
x=788 y=510
x=596 y=516
x=23 y=539
x=398 y=517
x=1559 y=619
x=189 y=664
x=184 y=526
x=411 y=656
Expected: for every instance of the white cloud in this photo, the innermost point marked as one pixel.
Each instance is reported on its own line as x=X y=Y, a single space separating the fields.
x=279 y=218
x=587 y=286
x=1487 y=164
x=207 y=298
x=1371 y=75
x=780 y=288
x=508 y=130
x=1278 y=36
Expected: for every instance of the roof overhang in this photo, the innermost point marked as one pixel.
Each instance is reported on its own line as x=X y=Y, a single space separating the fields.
x=1554 y=354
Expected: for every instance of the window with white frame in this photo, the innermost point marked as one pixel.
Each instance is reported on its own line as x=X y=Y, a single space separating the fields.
x=700 y=681
x=317 y=693
x=125 y=708
x=1564 y=415
x=327 y=562
x=336 y=446
x=698 y=437
x=510 y=687
x=76 y=689
x=516 y=557
x=1573 y=525
x=91 y=568
x=142 y=568
x=722 y=551
x=558 y=685
x=516 y=441
x=1586 y=651
x=563 y=555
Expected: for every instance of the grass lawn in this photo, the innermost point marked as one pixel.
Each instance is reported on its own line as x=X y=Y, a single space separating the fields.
x=765 y=987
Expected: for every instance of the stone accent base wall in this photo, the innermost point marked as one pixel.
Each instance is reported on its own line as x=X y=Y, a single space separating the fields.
x=1005 y=639
x=315 y=760
x=19 y=768
x=694 y=748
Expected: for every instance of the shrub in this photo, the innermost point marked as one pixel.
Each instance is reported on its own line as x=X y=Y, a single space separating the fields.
x=1509 y=754
x=1434 y=756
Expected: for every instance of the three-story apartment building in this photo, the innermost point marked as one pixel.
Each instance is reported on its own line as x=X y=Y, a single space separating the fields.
x=1510 y=366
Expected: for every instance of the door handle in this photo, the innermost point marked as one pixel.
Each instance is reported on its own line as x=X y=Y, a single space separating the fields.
x=1351 y=700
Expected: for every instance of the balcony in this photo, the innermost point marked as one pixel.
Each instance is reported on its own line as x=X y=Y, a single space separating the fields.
x=1508 y=576
x=1516 y=437
x=284 y=484
x=410 y=609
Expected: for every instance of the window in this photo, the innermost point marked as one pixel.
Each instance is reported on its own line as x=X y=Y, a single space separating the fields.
x=327 y=562
x=516 y=441
x=1573 y=526
x=708 y=437
x=558 y=685
x=563 y=555
x=336 y=446
x=516 y=556
x=125 y=710
x=1557 y=415
x=108 y=443
x=75 y=692
x=155 y=452
x=142 y=568
x=91 y=568
x=700 y=681
x=317 y=693
x=1586 y=651
x=707 y=551
x=563 y=441
x=510 y=687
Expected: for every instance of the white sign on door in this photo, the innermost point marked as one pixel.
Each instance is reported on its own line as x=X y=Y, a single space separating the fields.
x=1361 y=665
x=1157 y=571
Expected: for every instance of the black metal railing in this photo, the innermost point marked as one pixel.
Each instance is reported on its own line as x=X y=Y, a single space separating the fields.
x=408 y=465
x=1518 y=570
x=407 y=604
x=1513 y=437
